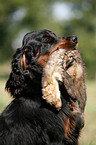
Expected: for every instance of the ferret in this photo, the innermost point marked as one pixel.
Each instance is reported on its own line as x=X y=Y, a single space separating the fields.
x=64 y=66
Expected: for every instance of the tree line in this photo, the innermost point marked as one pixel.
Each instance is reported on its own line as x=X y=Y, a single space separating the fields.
x=21 y=16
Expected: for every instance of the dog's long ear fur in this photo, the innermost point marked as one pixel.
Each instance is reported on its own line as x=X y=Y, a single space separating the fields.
x=16 y=82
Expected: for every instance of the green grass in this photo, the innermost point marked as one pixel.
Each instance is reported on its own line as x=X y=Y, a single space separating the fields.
x=4 y=97
x=4 y=70
x=88 y=133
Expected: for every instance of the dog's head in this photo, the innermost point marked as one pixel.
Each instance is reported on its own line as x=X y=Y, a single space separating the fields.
x=28 y=61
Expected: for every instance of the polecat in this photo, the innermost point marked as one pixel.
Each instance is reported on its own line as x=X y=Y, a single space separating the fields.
x=64 y=66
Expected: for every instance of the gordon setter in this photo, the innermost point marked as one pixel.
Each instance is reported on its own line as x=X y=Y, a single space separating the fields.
x=29 y=119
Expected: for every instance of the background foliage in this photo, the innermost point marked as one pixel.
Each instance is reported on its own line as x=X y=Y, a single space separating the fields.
x=21 y=16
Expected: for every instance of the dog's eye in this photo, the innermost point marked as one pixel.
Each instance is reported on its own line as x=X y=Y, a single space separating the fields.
x=47 y=35
x=47 y=40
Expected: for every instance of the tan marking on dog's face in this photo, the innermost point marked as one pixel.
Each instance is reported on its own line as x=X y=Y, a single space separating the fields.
x=66 y=44
x=43 y=59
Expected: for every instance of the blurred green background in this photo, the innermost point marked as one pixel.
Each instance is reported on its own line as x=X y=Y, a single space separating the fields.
x=64 y=17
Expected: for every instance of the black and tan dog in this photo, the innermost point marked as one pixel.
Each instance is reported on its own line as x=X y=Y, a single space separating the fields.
x=29 y=119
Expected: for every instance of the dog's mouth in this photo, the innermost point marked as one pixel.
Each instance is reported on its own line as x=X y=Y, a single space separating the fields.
x=67 y=43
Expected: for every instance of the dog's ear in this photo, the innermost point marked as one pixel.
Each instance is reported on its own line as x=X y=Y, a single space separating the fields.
x=16 y=81
x=15 y=84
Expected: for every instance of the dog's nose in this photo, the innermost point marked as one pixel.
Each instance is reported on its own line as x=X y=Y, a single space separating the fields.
x=74 y=39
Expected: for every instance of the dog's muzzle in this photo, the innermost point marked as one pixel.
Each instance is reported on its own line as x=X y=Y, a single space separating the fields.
x=67 y=43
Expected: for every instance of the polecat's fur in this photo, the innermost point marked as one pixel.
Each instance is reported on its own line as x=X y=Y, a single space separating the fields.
x=57 y=70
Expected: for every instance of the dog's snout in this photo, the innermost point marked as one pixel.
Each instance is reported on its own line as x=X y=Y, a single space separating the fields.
x=74 y=39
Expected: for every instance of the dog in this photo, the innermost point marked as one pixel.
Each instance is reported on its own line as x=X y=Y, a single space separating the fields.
x=29 y=119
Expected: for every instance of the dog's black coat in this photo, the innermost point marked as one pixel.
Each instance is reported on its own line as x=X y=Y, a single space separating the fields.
x=28 y=119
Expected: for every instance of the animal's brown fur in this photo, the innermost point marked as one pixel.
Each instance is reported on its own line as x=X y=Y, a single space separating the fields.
x=56 y=71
